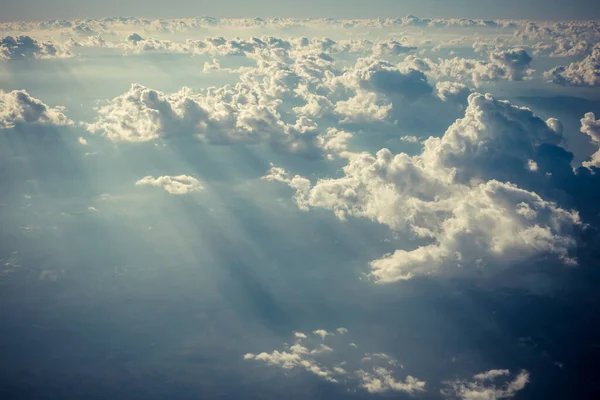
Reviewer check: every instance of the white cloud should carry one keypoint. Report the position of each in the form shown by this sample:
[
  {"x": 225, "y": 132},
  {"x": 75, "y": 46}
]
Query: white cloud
[
  {"x": 245, "y": 113},
  {"x": 372, "y": 372},
  {"x": 365, "y": 107},
  {"x": 452, "y": 91},
  {"x": 19, "y": 107},
  {"x": 450, "y": 195},
  {"x": 380, "y": 380},
  {"x": 181, "y": 184},
  {"x": 482, "y": 389},
  {"x": 491, "y": 374},
  {"x": 511, "y": 64},
  {"x": 514, "y": 63},
  {"x": 493, "y": 136},
  {"x": 579, "y": 73},
  {"x": 409, "y": 139},
  {"x": 559, "y": 39},
  {"x": 591, "y": 127},
  {"x": 25, "y": 47},
  {"x": 379, "y": 76}
]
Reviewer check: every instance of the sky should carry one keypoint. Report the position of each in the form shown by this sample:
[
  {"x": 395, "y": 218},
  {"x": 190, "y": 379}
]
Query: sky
[
  {"x": 234, "y": 207},
  {"x": 480, "y": 9}
]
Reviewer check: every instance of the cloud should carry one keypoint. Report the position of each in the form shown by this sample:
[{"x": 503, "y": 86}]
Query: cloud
[
  {"x": 376, "y": 91},
  {"x": 511, "y": 64},
  {"x": 322, "y": 333},
  {"x": 580, "y": 73},
  {"x": 24, "y": 47},
  {"x": 481, "y": 388},
  {"x": 91, "y": 41},
  {"x": 365, "y": 107},
  {"x": 391, "y": 47},
  {"x": 410, "y": 139},
  {"x": 344, "y": 365},
  {"x": 181, "y": 184},
  {"x": 380, "y": 380},
  {"x": 246, "y": 113},
  {"x": 591, "y": 127},
  {"x": 456, "y": 196},
  {"x": 380, "y": 76},
  {"x": 494, "y": 140},
  {"x": 559, "y": 39},
  {"x": 452, "y": 91},
  {"x": 19, "y": 107}
]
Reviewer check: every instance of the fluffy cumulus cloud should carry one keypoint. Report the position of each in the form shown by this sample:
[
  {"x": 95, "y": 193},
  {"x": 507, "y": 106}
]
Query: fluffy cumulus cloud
[
  {"x": 181, "y": 184},
  {"x": 25, "y": 47},
  {"x": 484, "y": 386},
  {"x": 591, "y": 127},
  {"x": 391, "y": 47},
  {"x": 379, "y": 76},
  {"x": 494, "y": 140},
  {"x": 511, "y": 64},
  {"x": 456, "y": 197},
  {"x": 373, "y": 90},
  {"x": 585, "y": 72},
  {"x": 381, "y": 380},
  {"x": 470, "y": 198},
  {"x": 342, "y": 364},
  {"x": 20, "y": 108},
  {"x": 514, "y": 63},
  {"x": 452, "y": 91},
  {"x": 232, "y": 114}
]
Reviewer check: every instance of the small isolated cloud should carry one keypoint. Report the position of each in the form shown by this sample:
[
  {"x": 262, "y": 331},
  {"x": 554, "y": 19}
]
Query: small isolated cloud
[
  {"x": 482, "y": 387},
  {"x": 181, "y": 184},
  {"x": 382, "y": 77},
  {"x": 342, "y": 364},
  {"x": 321, "y": 333},
  {"x": 409, "y": 139},
  {"x": 391, "y": 48},
  {"x": 19, "y": 107}
]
